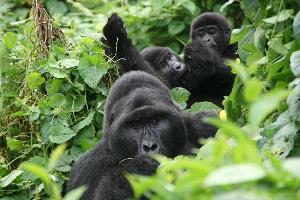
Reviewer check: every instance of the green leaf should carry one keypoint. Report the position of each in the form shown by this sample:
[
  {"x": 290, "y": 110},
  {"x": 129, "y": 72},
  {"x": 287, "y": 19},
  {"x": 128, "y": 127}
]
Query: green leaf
[
  {"x": 252, "y": 90},
  {"x": 53, "y": 86},
  {"x": 56, "y": 71},
  {"x": 91, "y": 73},
  {"x": 265, "y": 105},
  {"x": 75, "y": 103},
  {"x": 37, "y": 160},
  {"x": 38, "y": 171},
  {"x": 295, "y": 63},
  {"x": 259, "y": 38},
  {"x": 283, "y": 140},
  {"x": 86, "y": 138},
  {"x": 57, "y": 100},
  {"x": 75, "y": 194},
  {"x": 34, "y": 80},
  {"x": 8, "y": 179},
  {"x": 180, "y": 96},
  {"x": 87, "y": 121},
  {"x": 55, "y": 156},
  {"x": 277, "y": 46},
  {"x": 175, "y": 27},
  {"x": 283, "y": 15},
  {"x": 56, "y": 7},
  {"x": 296, "y": 27},
  {"x": 56, "y": 131},
  {"x": 190, "y": 6},
  {"x": 200, "y": 106},
  {"x": 69, "y": 63},
  {"x": 240, "y": 195},
  {"x": 234, "y": 174},
  {"x": 13, "y": 144},
  {"x": 292, "y": 166},
  {"x": 10, "y": 39}
]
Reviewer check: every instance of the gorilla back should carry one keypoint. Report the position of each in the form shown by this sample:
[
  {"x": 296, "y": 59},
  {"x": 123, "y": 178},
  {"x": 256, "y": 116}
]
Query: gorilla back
[{"x": 140, "y": 119}]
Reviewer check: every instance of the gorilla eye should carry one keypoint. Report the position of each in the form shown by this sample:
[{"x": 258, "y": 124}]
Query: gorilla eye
[
  {"x": 154, "y": 121},
  {"x": 200, "y": 32},
  {"x": 136, "y": 124},
  {"x": 212, "y": 31}
]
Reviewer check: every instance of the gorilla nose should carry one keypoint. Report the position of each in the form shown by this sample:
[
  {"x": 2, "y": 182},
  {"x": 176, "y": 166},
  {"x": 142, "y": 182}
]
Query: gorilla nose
[
  {"x": 179, "y": 67},
  {"x": 149, "y": 147}
]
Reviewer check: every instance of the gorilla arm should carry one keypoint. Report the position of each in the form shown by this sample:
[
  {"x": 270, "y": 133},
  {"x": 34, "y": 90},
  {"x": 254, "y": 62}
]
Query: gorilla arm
[
  {"x": 197, "y": 128},
  {"x": 118, "y": 44}
]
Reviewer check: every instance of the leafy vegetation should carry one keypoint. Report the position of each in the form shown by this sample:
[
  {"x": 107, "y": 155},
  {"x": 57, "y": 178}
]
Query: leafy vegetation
[{"x": 52, "y": 106}]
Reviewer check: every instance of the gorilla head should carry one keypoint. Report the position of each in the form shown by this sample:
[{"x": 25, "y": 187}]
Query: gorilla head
[
  {"x": 164, "y": 60},
  {"x": 212, "y": 29},
  {"x": 141, "y": 118}
]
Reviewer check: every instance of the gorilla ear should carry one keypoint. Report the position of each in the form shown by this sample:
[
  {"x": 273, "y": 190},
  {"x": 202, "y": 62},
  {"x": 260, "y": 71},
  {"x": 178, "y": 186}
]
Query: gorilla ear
[{"x": 197, "y": 128}]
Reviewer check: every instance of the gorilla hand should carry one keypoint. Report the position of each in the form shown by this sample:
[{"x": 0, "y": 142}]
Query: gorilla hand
[{"x": 114, "y": 30}]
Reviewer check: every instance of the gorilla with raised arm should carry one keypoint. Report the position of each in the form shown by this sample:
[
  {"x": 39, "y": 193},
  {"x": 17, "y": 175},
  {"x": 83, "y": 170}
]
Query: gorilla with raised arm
[
  {"x": 161, "y": 62},
  {"x": 140, "y": 119},
  {"x": 209, "y": 78}
]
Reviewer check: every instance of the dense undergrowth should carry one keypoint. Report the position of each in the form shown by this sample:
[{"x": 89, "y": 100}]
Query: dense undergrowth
[{"x": 58, "y": 99}]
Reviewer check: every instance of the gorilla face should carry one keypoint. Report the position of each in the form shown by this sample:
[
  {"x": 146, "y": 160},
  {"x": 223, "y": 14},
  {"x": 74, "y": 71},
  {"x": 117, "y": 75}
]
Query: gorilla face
[
  {"x": 212, "y": 30},
  {"x": 166, "y": 62},
  {"x": 148, "y": 130}
]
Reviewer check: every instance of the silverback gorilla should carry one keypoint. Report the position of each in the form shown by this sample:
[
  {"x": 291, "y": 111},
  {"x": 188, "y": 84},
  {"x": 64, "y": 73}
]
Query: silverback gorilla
[
  {"x": 161, "y": 62},
  {"x": 140, "y": 118},
  {"x": 209, "y": 79}
]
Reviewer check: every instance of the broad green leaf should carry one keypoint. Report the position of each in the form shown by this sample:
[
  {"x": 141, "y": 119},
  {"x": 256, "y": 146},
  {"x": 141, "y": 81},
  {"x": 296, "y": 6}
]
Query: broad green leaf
[
  {"x": 14, "y": 144},
  {"x": 87, "y": 121},
  {"x": 190, "y": 6},
  {"x": 283, "y": 140},
  {"x": 292, "y": 166},
  {"x": 91, "y": 73},
  {"x": 57, "y": 100},
  {"x": 296, "y": 27},
  {"x": 34, "y": 80},
  {"x": 295, "y": 63},
  {"x": 10, "y": 39},
  {"x": 238, "y": 34},
  {"x": 75, "y": 194},
  {"x": 75, "y": 103},
  {"x": 283, "y": 15},
  {"x": 56, "y": 131},
  {"x": 57, "y": 71},
  {"x": 200, "y": 106},
  {"x": 86, "y": 138},
  {"x": 252, "y": 89},
  {"x": 265, "y": 105},
  {"x": 69, "y": 63},
  {"x": 293, "y": 102},
  {"x": 8, "y": 179},
  {"x": 175, "y": 27},
  {"x": 53, "y": 86},
  {"x": 34, "y": 113},
  {"x": 180, "y": 96},
  {"x": 277, "y": 46},
  {"x": 234, "y": 174},
  {"x": 56, "y": 7},
  {"x": 259, "y": 38}
]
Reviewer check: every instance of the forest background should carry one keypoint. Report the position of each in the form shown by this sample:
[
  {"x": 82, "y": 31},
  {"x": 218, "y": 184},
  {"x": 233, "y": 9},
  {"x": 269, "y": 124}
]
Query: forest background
[{"x": 51, "y": 99}]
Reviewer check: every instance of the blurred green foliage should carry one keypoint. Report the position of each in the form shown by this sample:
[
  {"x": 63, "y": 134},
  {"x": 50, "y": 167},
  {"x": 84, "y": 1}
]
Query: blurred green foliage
[{"x": 55, "y": 104}]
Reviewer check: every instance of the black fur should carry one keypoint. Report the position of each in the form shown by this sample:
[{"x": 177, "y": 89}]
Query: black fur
[
  {"x": 140, "y": 118},
  {"x": 161, "y": 62},
  {"x": 208, "y": 78}
]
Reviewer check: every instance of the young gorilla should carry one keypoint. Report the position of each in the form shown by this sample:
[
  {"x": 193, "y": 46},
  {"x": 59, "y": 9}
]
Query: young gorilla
[
  {"x": 161, "y": 62},
  {"x": 209, "y": 78},
  {"x": 140, "y": 118}
]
